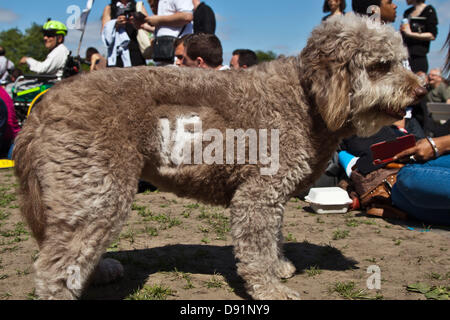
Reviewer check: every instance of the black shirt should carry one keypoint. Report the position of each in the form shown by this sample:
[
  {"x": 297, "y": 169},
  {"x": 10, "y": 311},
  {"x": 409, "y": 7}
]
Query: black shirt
[
  {"x": 427, "y": 21},
  {"x": 204, "y": 19}
]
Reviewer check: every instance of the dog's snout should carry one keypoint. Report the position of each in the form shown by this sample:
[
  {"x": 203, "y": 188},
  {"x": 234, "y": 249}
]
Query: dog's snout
[{"x": 420, "y": 92}]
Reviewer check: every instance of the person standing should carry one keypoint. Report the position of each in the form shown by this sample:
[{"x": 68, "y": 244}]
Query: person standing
[
  {"x": 120, "y": 12},
  {"x": 418, "y": 33},
  {"x": 204, "y": 18},
  {"x": 173, "y": 20}
]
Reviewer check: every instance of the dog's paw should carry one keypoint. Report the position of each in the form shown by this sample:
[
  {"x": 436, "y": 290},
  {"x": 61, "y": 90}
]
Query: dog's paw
[
  {"x": 275, "y": 291},
  {"x": 107, "y": 271},
  {"x": 284, "y": 269}
]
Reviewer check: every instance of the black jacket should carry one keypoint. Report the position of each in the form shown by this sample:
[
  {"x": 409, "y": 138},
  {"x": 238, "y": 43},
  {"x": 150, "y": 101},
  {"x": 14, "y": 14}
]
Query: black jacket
[{"x": 204, "y": 19}]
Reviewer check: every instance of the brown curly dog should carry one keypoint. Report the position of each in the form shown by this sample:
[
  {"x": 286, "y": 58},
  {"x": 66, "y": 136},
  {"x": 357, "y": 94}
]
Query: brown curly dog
[{"x": 87, "y": 143}]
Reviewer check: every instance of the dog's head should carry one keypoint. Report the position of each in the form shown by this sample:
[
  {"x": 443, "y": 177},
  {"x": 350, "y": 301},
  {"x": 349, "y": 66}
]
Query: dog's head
[{"x": 353, "y": 70}]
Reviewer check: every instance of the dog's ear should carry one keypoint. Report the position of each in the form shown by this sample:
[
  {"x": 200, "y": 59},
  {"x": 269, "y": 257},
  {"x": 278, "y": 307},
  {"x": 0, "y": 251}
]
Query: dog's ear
[{"x": 328, "y": 84}]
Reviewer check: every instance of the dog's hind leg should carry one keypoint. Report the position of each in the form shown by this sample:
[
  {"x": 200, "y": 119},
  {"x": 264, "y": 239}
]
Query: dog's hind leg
[
  {"x": 256, "y": 222},
  {"x": 87, "y": 202}
]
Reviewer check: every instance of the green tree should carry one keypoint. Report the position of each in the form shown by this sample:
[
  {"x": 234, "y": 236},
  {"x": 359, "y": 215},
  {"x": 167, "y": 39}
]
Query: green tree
[
  {"x": 265, "y": 55},
  {"x": 18, "y": 44}
]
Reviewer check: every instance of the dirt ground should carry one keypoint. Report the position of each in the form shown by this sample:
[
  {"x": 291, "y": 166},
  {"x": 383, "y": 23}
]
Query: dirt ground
[{"x": 173, "y": 248}]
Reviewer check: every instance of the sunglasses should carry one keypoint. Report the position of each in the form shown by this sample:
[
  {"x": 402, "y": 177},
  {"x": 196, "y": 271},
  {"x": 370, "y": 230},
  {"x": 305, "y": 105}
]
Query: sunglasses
[{"x": 49, "y": 34}]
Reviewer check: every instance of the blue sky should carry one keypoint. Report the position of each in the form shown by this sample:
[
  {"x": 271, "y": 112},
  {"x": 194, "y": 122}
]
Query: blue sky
[{"x": 281, "y": 26}]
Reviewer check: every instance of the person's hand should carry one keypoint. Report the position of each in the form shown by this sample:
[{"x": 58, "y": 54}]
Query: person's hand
[
  {"x": 138, "y": 19},
  {"x": 121, "y": 21},
  {"x": 23, "y": 60},
  {"x": 421, "y": 152}
]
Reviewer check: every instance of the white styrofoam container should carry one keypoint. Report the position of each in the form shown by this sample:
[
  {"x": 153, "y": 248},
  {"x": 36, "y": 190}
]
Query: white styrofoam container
[{"x": 328, "y": 200}]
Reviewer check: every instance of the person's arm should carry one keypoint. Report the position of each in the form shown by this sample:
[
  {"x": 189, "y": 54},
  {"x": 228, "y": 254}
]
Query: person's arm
[
  {"x": 106, "y": 17},
  {"x": 94, "y": 60},
  {"x": 425, "y": 36},
  {"x": 424, "y": 151},
  {"x": 178, "y": 19}
]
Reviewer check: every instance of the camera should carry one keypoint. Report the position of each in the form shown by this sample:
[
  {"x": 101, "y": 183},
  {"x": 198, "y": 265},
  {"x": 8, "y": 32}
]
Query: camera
[{"x": 127, "y": 11}]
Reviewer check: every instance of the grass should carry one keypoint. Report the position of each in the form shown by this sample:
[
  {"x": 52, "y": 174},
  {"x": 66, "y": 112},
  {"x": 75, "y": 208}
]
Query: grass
[
  {"x": 164, "y": 220},
  {"x": 218, "y": 222},
  {"x": 214, "y": 282},
  {"x": 19, "y": 230},
  {"x": 340, "y": 234},
  {"x": 6, "y": 198},
  {"x": 313, "y": 271},
  {"x": 430, "y": 292},
  {"x": 290, "y": 238},
  {"x": 4, "y": 215},
  {"x": 349, "y": 291},
  {"x": 184, "y": 276},
  {"x": 155, "y": 292}
]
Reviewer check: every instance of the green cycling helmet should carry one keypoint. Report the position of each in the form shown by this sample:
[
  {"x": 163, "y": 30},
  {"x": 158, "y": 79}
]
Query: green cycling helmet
[{"x": 55, "y": 27}]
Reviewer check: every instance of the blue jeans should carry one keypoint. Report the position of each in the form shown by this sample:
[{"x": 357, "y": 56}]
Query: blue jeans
[{"x": 423, "y": 191}]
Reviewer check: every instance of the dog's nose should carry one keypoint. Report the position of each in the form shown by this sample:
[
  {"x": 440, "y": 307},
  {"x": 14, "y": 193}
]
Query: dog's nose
[{"x": 420, "y": 92}]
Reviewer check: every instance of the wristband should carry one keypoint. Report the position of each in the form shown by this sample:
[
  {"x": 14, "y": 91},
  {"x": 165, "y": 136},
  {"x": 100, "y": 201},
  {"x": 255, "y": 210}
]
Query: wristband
[{"x": 433, "y": 145}]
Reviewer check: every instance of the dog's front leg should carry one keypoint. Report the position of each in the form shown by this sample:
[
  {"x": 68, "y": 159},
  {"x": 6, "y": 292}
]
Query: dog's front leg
[{"x": 256, "y": 222}]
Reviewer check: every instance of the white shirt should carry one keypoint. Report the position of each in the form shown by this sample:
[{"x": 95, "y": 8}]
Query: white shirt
[
  {"x": 5, "y": 65},
  {"x": 169, "y": 7},
  {"x": 53, "y": 64}
]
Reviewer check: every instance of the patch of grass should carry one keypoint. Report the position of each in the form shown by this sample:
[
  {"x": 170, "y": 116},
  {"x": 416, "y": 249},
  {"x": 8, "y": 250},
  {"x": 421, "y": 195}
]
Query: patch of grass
[
  {"x": 6, "y": 198},
  {"x": 352, "y": 223},
  {"x": 143, "y": 211},
  {"x": 340, "y": 234},
  {"x": 218, "y": 222},
  {"x": 129, "y": 235},
  {"x": 430, "y": 292},
  {"x": 155, "y": 292},
  {"x": 214, "y": 282},
  {"x": 114, "y": 246},
  {"x": 4, "y": 215},
  {"x": 19, "y": 229},
  {"x": 192, "y": 206},
  {"x": 151, "y": 231},
  {"x": 290, "y": 238},
  {"x": 313, "y": 271},
  {"x": 32, "y": 295},
  {"x": 349, "y": 291},
  {"x": 184, "y": 276}
]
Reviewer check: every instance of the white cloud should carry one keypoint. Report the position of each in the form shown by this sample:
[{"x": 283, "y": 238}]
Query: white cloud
[{"x": 8, "y": 16}]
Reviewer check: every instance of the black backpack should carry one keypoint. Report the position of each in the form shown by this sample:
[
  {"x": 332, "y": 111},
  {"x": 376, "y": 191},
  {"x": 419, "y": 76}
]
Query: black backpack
[{"x": 72, "y": 67}]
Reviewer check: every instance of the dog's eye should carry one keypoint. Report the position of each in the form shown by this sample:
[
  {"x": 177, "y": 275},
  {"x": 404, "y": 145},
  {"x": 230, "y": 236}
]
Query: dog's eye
[{"x": 378, "y": 69}]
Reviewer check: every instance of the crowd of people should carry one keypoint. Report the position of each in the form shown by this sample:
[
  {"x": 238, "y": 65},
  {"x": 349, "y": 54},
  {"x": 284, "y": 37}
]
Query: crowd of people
[{"x": 181, "y": 33}]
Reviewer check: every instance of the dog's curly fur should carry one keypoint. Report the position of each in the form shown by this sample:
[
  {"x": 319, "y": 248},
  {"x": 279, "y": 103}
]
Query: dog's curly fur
[{"x": 87, "y": 143}]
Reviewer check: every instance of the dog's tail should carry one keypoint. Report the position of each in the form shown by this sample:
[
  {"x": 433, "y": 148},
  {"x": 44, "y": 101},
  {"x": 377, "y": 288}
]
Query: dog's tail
[{"x": 30, "y": 191}]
